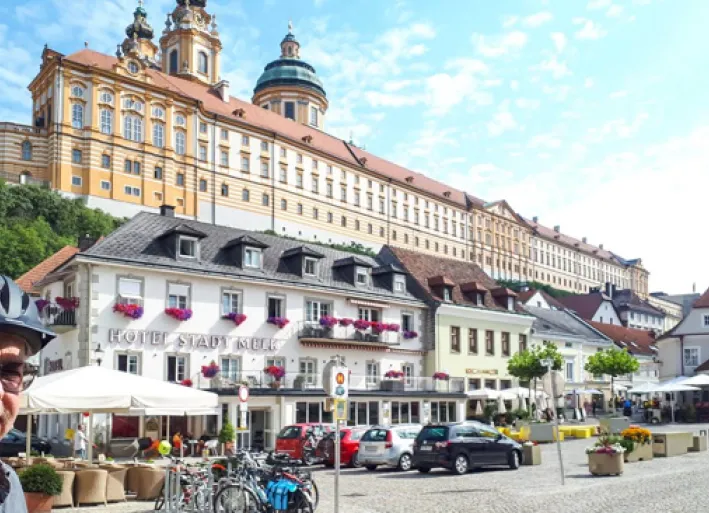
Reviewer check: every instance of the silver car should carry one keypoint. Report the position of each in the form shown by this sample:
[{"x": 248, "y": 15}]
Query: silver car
[{"x": 390, "y": 446}]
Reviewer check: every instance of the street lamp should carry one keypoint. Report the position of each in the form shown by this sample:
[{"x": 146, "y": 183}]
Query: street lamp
[{"x": 97, "y": 353}]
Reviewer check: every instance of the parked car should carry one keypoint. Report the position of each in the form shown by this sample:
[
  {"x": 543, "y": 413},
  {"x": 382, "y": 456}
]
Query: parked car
[
  {"x": 462, "y": 446},
  {"x": 390, "y": 446},
  {"x": 291, "y": 438},
  {"x": 349, "y": 447},
  {"x": 15, "y": 442}
]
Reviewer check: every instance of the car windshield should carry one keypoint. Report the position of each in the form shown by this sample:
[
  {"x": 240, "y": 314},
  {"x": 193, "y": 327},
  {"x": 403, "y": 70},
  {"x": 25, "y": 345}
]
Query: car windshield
[
  {"x": 433, "y": 434},
  {"x": 408, "y": 433},
  {"x": 375, "y": 435},
  {"x": 289, "y": 433},
  {"x": 354, "y": 435}
]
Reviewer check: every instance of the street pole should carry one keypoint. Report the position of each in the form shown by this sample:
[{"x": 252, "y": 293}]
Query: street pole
[
  {"x": 549, "y": 364},
  {"x": 337, "y": 466}
]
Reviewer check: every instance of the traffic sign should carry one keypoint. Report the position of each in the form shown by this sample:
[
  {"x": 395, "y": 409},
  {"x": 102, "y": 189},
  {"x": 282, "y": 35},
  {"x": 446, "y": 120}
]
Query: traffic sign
[
  {"x": 340, "y": 409},
  {"x": 243, "y": 394},
  {"x": 336, "y": 380}
]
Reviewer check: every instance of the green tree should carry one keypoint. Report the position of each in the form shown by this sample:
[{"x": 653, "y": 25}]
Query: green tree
[
  {"x": 529, "y": 365},
  {"x": 613, "y": 362}
]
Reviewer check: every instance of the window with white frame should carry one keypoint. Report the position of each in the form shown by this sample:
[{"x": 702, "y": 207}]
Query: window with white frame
[
  {"x": 231, "y": 302},
  {"x": 77, "y": 91},
  {"x": 224, "y": 158},
  {"x": 133, "y": 128},
  {"x": 276, "y": 306},
  {"x": 187, "y": 247},
  {"x": 362, "y": 276},
  {"x": 177, "y": 370},
  {"x": 178, "y": 295},
  {"x": 399, "y": 284},
  {"x": 368, "y": 314},
  {"x": 372, "y": 373},
  {"x": 128, "y": 362},
  {"x": 315, "y": 309},
  {"x": 307, "y": 367},
  {"x": 314, "y": 116},
  {"x": 245, "y": 164},
  {"x": 76, "y": 180},
  {"x": 252, "y": 258},
  {"x": 106, "y": 97},
  {"x": 130, "y": 291},
  {"x": 407, "y": 321},
  {"x": 180, "y": 142},
  {"x": 310, "y": 266},
  {"x": 691, "y": 356},
  {"x": 570, "y": 371},
  {"x": 158, "y": 135},
  {"x": 408, "y": 370},
  {"x": 77, "y": 116},
  {"x": 230, "y": 368},
  {"x": 106, "y": 121}
]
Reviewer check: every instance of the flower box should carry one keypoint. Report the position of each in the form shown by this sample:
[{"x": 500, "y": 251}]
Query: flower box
[
  {"x": 130, "y": 310},
  {"x": 408, "y": 335},
  {"x": 211, "y": 370},
  {"x": 531, "y": 454},
  {"x": 441, "y": 376},
  {"x": 377, "y": 327},
  {"x": 328, "y": 322},
  {"x": 345, "y": 322},
  {"x": 275, "y": 371},
  {"x": 180, "y": 314},
  {"x": 236, "y": 318},
  {"x": 641, "y": 452},
  {"x": 186, "y": 382},
  {"x": 41, "y": 304},
  {"x": 362, "y": 325},
  {"x": 394, "y": 374},
  {"x": 606, "y": 464},
  {"x": 67, "y": 303},
  {"x": 280, "y": 322},
  {"x": 392, "y": 327}
]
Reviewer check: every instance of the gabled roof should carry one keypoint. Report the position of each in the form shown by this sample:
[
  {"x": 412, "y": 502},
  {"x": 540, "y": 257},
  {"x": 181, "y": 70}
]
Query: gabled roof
[
  {"x": 702, "y": 301},
  {"x": 585, "y": 305},
  {"x": 28, "y": 280},
  {"x": 246, "y": 240},
  {"x": 353, "y": 260},
  {"x": 302, "y": 250},
  {"x": 388, "y": 268},
  {"x": 639, "y": 342},
  {"x": 183, "y": 229},
  {"x": 627, "y": 299},
  {"x": 560, "y": 323},
  {"x": 526, "y": 295}
]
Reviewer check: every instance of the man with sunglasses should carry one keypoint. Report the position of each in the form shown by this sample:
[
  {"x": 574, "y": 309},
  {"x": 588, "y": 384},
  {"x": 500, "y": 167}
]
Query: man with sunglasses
[{"x": 22, "y": 335}]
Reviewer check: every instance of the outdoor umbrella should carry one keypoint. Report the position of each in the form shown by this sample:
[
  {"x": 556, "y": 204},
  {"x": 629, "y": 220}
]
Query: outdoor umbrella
[
  {"x": 523, "y": 392},
  {"x": 478, "y": 409},
  {"x": 700, "y": 380},
  {"x": 501, "y": 408},
  {"x": 489, "y": 394},
  {"x": 671, "y": 388},
  {"x": 522, "y": 403}
]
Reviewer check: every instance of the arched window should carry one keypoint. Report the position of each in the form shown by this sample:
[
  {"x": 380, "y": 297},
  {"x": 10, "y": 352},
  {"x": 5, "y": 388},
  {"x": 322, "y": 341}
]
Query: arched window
[
  {"x": 77, "y": 116},
  {"x": 203, "y": 63},
  {"x": 26, "y": 150},
  {"x": 133, "y": 128},
  {"x": 106, "y": 121},
  {"x": 245, "y": 195},
  {"x": 180, "y": 143},
  {"x": 158, "y": 135},
  {"x": 173, "y": 62}
]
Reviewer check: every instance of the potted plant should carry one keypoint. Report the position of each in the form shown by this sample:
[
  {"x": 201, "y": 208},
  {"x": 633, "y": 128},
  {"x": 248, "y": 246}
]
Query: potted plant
[
  {"x": 67, "y": 303},
  {"x": 41, "y": 304},
  {"x": 40, "y": 484},
  {"x": 210, "y": 371},
  {"x": 409, "y": 334},
  {"x": 130, "y": 310},
  {"x": 186, "y": 382},
  {"x": 392, "y": 327},
  {"x": 277, "y": 373},
  {"x": 605, "y": 458},
  {"x": 281, "y": 322},
  {"x": 179, "y": 314},
  {"x": 531, "y": 453},
  {"x": 328, "y": 322},
  {"x": 236, "y": 318},
  {"x": 227, "y": 436},
  {"x": 637, "y": 442},
  {"x": 441, "y": 376},
  {"x": 362, "y": 325},
  {"x": 345, "y": 322}
]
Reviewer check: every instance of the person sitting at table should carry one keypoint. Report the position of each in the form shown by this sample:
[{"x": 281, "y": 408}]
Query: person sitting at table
[{"x": 177, "y": 442}]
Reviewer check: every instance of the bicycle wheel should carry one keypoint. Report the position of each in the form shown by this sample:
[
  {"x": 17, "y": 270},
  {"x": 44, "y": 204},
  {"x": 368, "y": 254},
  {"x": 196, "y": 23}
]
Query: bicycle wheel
[
  {"x": 300, "y": 503},
  {"x": 160, "y": 499},
  {"x": 236, "y": 499},
  {"x": 314, "y": 493}
]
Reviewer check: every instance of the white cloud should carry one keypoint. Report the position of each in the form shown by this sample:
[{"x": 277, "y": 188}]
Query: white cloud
[
  {"x": 547, "y": 141},
  {"x": 588, "y": 82},
  {"x": 598, "y": 4},
  {"x": 378, "y": 99},
  {"x": 514, "y": 85},
  {"x": 527, "y": 103},
  {"x": 538, "y": 19},
  {"x": 510, "y": 21},
  {"x": 558, "y": 92},
  {"x": 502, "y": 121},
  {"x": 617, "y": 128},
  {"x": 589, "y": 30},
  {"x": 392, "y": 86},
  {"x": 618, "y": 94},
  {"x": 559, "y": 41},
  {"x": 496, "y": 46},
  {"x": 461, "y": 82},
  {"x": 614, "y": 11},
  {"x": 558, "y": 69}
]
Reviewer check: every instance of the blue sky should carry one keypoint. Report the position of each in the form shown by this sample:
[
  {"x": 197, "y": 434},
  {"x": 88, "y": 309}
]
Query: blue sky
[{"x": 591, "y": 114}]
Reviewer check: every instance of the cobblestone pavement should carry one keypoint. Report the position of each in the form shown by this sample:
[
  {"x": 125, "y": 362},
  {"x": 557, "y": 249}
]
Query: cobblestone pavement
[{"x": 663, "y": 485}]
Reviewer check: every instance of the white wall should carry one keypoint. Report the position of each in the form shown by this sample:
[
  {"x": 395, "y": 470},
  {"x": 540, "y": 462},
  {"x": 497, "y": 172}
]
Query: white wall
[
  {"x": 606, "y": 314},
  {"x": 538, "y": 301}
]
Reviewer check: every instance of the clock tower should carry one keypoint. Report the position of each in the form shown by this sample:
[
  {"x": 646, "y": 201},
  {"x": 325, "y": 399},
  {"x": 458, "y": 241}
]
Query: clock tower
[{"x": 190, "y": 43}]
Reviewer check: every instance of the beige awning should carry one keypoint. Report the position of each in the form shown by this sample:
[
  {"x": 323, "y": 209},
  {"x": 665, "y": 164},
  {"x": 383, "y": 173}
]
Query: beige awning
[{"x": 370, "y": 304}]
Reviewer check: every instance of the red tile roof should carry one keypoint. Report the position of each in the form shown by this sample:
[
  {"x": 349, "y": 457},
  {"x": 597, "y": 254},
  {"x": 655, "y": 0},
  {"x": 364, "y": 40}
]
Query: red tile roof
[
  {"x": 590, "y": 249},
  {"x": 38, "y": 272},
  {"x": 635, "y": 341},
  {"x": 702, "y": 301},
  {"x": 585, "y": 305}
]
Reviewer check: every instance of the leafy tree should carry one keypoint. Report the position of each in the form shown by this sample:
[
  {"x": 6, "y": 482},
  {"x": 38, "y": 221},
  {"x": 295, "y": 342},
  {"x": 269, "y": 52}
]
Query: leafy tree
[
  {"x": 613, "y": 361},
  {"x": 36, "y": 222},
  {"x": 528, "y": 365},
  {"x": 352, "y": 247},
  {"x": 517, "y": 287}
]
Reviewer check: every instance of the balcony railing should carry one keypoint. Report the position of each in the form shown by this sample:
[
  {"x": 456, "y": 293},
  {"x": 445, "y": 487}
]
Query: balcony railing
[
  {"x": 293, "y": 381},
  {"x": 59, "y": 320},
  {"x": 310, "y": 330}
]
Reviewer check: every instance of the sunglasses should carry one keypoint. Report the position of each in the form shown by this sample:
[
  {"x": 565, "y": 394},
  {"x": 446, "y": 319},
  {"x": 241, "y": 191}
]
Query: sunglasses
[{"x": 16, "y": 377}]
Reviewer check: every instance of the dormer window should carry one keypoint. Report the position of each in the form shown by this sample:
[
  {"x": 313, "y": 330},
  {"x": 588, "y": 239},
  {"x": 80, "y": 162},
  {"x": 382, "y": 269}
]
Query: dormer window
[
  {"x": 511, "y": 304},
  {"x": 447, "y": 294},
  {"x": 252, "y": 258},
  {"x": 310, "y": 266},
  {"x": 187, "y": 247},
  {"x": 362, "y": 276},
  {"x": 399, "y": 284}
]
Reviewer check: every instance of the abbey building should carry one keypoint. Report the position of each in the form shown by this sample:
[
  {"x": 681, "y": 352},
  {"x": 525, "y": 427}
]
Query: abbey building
[{"x": 155, "y": 125}]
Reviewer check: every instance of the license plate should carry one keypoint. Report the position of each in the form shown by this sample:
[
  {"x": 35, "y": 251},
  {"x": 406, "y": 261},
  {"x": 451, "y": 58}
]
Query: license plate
[
  {"x": 426, "y": 448},
  {"x": 371, "y": 449}
]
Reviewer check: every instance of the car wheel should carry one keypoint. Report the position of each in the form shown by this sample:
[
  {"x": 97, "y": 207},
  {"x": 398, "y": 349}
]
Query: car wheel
[
  {"x": 405, "y": 462},
  {"x": 371, "y": 467},
  {"x": 424, "y": 470},
  {"x": 354, "y": 461},
  {"x": 460, "y": 464},
  {"x": 513, "y": 460}
]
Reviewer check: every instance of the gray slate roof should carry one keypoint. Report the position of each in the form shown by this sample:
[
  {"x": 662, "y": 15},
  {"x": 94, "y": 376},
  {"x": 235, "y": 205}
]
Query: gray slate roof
[
  {"x": 563, "y": 324},
  {"x": 627, "y": 299},
  {"x": 138, "y": 242}
]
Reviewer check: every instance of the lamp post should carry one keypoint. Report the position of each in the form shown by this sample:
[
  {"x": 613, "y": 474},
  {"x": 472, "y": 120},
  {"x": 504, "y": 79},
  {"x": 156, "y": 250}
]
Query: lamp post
[
  {"x": 549, "y": 363},
  {"x": 98, "y": 352}
]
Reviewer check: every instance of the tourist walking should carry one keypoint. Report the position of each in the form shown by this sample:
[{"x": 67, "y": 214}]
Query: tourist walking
[{"x": 80, "y": 441}]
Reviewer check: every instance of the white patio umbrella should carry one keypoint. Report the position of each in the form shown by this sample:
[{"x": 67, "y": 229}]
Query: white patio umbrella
[
  {"x": 523, "y": 392},
  {"x": 501, "y": 408},
  {"x": 645, "y": 388},
  {"x": 671, "y": 388},
  {"x": 489, "y": 394},
  {"x": 100, "y": 390},
  {"x": 478, "y": 408},
  {"x": 700, "y": 380}
]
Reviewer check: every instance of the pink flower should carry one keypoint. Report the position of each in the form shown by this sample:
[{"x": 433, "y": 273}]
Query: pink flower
[
  {"x": 237, "y": 318},
  {"x": 180, "y": 314}
]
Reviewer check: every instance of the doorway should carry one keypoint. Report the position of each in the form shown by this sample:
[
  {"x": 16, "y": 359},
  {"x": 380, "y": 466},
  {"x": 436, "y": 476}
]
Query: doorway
[{"x": 261, "y": 431}]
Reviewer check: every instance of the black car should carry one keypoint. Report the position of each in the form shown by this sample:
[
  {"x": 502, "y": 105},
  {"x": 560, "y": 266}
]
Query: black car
[
  {"x": 15, "y": 442},
  {"x": 462, "y": 446}
]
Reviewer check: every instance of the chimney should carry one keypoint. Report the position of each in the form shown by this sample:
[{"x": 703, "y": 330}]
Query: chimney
[
  {"x": 609, "y": 289},
  {"x": 535, "y": 219},
  {"x": 600, "y": 246},
  {"x": 86, "y": 242},
  {"x": 584, "y": 240},
  {"x": 557, "y": 228},
  {"x": 167, "y": 211},
  {"x": 222, "y": 89}
]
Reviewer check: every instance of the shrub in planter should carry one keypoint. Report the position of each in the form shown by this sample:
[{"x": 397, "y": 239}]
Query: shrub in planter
[
  {"x": 40, "y": 484},
  {"x": 180, "y": 314},
  {"x": 227, "y": 435},
  {"x": 281, "y": 322},
  {"x": 130, "y": 310}
]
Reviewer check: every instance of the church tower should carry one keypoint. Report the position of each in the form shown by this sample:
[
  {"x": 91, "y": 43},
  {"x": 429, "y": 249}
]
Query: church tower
[
  {"x": 290, "y": 87},
  {"x": 190, "y": 43},
  {"x": 139, "y": 38}
]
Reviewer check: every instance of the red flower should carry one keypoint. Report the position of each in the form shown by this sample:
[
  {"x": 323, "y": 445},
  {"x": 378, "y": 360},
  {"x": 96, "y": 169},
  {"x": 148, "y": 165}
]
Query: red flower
[{"x": 186, "y": 382}]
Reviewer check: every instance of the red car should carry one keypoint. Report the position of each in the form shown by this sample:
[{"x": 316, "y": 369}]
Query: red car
[
  {"x": 291, "y": 438},
  {"x": 349, "y": 447}
]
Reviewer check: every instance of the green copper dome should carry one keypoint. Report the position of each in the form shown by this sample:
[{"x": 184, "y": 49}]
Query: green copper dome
[{"x": 289, "y": 72}]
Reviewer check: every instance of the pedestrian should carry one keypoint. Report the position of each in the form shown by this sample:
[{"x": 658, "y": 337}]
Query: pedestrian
[
  {"x": 80, "y": 441},
  {"x": 22, "y": 335},
  {"x": 594, "y": 405}
]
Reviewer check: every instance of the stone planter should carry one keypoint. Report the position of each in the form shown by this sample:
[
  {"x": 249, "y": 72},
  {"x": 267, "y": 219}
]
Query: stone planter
[
  {"x": 275, "y": 385},
  {"x": 541, "y": 432},
  {"x": 392, "y": 385},
  {"x": 38, "y": 502},
  {"x": 640, "y": 453},
  {"x": 600, "y": 464},
  {"x": 699, "y": 443},
  {"x": 614, "y": 425},
  {"x": 531, "y": 455}
]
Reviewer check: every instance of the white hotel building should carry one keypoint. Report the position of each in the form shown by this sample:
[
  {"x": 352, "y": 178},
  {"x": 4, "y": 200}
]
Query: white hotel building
[{"x": 160, "y": 261}]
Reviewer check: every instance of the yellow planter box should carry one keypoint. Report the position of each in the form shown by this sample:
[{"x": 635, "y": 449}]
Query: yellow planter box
[{"x": 600, "y": 464}]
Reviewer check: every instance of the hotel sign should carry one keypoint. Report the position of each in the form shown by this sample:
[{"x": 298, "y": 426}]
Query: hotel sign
[
  {"x": 190, "y": 341},
  {"x": 491, "y": 372}
]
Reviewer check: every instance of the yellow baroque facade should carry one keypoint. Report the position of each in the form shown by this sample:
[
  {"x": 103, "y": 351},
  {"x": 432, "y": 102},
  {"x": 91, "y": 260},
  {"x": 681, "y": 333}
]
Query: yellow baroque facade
[{"x": 157, "y": 126}]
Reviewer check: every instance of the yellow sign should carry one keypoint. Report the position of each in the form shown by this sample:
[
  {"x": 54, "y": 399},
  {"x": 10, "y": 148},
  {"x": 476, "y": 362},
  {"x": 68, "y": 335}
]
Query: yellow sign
[
  {"x": 340, "y": 409},
  {"x": 340, "y": 378}
]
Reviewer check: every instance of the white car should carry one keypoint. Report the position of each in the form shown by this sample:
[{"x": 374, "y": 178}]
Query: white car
[{"x": 390, "y": 446}]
